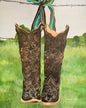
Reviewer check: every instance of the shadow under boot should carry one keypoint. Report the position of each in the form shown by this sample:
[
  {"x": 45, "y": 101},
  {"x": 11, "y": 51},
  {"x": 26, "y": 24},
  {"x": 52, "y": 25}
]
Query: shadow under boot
[
  {"x": 29, "y": 47},
  {"x": 53, "y": 56}
]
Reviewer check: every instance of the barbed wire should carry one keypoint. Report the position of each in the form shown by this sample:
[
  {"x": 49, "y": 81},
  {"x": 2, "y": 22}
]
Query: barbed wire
[
  {"x": 60, "y": 5},
  {"x": 1, "y": 38},
  {"x": 27, "y": 3},
  {"x": 69, "y": 5},
  {"x": 17, "y": 2}
]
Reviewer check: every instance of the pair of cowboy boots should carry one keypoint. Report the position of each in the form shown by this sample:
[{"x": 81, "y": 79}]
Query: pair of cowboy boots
[{"x": 30, "y": 51}]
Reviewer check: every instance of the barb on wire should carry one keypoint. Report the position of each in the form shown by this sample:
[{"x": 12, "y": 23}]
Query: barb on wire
[{"x": 64, "y": 5}]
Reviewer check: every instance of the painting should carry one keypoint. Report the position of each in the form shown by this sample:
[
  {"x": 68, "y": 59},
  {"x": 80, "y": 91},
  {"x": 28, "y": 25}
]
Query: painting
[{"x": 42, "y": 53}]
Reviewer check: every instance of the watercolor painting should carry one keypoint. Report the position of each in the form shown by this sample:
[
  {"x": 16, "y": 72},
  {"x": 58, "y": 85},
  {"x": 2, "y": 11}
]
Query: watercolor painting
[{"x": 42, "y": 63}]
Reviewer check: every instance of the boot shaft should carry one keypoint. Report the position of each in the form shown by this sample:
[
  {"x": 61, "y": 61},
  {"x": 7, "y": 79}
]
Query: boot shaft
[
  {"x": 29, "y": 47},
  {"x": 54, "y": 53},
  {"x": 53, "y": 56}
]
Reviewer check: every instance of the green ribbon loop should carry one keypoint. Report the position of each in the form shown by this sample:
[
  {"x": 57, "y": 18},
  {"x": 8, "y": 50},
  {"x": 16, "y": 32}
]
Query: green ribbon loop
[
  {"x": 40, "y": 15},
  {"x": 47, "y": 3}
]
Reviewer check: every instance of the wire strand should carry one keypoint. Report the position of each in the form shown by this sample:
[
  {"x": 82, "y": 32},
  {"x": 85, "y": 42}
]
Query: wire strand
[
  {"x": 17, "y": 2},
  {"x": 6, "y": 38},
  {"x": 64, "y": 5}
]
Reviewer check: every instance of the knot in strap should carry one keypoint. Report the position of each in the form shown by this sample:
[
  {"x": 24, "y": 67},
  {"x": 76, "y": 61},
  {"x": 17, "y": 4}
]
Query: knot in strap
[{"x": 40, "y": 15}]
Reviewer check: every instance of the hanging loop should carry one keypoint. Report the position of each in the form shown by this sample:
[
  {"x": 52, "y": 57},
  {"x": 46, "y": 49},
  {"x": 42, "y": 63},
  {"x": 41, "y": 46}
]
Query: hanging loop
[{"x": 40, "y": 15}]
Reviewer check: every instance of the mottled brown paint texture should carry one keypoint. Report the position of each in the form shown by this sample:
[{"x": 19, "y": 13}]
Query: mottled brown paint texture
[
  {"x": 30, "y": 50},
  {"x": 29, "y": 47},
  {"x": 53, "y": 56}
]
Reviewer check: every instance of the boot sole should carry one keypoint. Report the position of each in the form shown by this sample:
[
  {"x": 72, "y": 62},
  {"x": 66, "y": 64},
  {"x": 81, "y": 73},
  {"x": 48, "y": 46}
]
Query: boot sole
[
  {"x": 30, "y": 101},
  {"x": 49, "y": 103}
]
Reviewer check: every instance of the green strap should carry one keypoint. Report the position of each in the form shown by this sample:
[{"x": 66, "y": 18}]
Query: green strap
[{"x": 40, "y": 16}]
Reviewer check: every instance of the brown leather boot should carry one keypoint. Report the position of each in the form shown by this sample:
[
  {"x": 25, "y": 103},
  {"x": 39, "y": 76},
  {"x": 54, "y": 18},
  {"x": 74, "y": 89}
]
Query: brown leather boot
[
  {"x": 53, "y": 56},
  {"x": 29, "y": 47}
]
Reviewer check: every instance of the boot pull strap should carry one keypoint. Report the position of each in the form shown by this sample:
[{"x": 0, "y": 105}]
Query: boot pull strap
[{"x": 40, "y": 16}]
